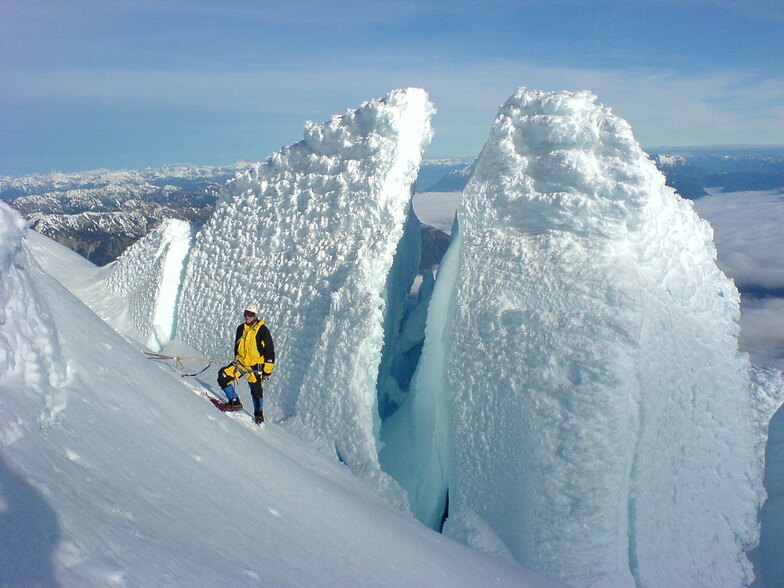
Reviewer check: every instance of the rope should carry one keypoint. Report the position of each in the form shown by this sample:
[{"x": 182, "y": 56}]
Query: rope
[
  {"x": 179, "y": 365},
  {"x": 241, "y": 369},
  {"x": 201, "y": 371}
]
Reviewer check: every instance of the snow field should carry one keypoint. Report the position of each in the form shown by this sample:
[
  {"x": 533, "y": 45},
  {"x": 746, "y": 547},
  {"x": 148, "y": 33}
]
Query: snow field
[
  {"x": 311, "y": 235},
  {"x": 597, "y": 408}
]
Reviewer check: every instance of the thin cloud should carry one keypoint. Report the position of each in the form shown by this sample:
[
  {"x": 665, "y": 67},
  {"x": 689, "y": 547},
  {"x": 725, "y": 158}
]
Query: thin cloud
[
  {"x": 663, "y": 106},
  {"x": 749, "y": 231},
  {"x": 762, "y": 331}
]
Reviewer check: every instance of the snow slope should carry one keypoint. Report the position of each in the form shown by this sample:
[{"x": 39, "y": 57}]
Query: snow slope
[
  {"x": 311, "y": 235},
  {"x": 113, "y": 472},
  {"x": 598, "y": 421}
]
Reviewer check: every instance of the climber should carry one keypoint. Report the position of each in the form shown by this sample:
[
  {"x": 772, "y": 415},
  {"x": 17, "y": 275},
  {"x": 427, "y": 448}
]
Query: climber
[{"x": 254, "y": 357}]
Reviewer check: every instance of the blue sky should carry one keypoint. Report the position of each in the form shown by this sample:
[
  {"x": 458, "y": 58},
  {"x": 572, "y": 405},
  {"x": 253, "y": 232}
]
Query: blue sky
[{"x": 125, "y": 84}]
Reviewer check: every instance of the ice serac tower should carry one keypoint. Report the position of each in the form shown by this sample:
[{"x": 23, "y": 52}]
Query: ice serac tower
[
  {"x": 599, "y": 420},
  {"x": 311, "y": 235}
]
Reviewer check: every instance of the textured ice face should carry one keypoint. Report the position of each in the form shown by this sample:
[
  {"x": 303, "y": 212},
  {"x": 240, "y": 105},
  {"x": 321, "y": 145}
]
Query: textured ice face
[
  {"x": 311, "y": 234},
  {"x": 597, "y": 408},
  {"x": 768, "y": 393},
  {"x": 148, "y": 276}
]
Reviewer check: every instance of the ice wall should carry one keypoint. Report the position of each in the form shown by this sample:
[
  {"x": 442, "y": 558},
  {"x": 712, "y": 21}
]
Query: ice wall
[
  {"x": 31, "y": 371},
  {"x": 772, "y": 514},
  {"x": 148, "y": 276},
  {"x": 311, "y": 235},
  {"x": 768, "y": 392},
  {"x": 598, "y": 415}
]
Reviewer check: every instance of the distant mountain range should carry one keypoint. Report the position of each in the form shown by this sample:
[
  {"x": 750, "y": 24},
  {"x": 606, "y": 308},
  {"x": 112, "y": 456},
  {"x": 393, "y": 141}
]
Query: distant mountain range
[
  {"x": 433, "y": 171},
  {"x": 99, "y": 213},
  {"x": 690, "y": 170}
]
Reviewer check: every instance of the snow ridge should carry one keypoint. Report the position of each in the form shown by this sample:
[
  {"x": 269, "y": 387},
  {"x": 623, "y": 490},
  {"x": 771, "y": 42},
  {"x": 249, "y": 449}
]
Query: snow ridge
[
  {"x": 148, "y": 276},
  {"x": 591, "y": 378},
  {"x": 311, "y": 235},
  {"x": 31, "y": 371}
]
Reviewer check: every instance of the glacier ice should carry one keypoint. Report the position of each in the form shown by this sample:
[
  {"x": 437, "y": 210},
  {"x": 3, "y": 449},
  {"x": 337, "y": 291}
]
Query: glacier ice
[
  {"x": 771, "y": 545},
  {"x": 586, "y": 398},
  {"x": 768, "y": 393},
  {"x": 579, "y": 404},
  {"x": 415, "y": 439},
  {"x": 311, "y": 235},
  {"x": 148, "y": 276}
]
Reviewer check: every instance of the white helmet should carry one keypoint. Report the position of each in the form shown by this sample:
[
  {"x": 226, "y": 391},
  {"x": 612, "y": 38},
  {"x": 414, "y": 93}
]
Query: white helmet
[{"x": 252, "y": 307}]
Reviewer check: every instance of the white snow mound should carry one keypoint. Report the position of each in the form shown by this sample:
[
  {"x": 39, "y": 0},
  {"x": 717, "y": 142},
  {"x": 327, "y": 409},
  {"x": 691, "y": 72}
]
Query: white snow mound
[
  {"x": 599, "y": 415},
  {"x": 310, "y": 235},
  {"x": 31, "y": 372}
]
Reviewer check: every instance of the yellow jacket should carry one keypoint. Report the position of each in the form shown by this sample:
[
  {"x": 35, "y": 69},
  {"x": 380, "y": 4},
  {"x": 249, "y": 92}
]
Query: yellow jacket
[{"x": 253, "y": 348}]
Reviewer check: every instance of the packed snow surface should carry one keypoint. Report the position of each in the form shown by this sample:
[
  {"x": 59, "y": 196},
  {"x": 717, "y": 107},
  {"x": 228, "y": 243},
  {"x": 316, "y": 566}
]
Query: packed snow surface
[
  {"x": 311, "y": 235},
  {"x": 148, "y": 276},
  {"x": 598, "y": 416},
  {"x": 30, "y": 363},
  {"x": 114, "y": 472}
]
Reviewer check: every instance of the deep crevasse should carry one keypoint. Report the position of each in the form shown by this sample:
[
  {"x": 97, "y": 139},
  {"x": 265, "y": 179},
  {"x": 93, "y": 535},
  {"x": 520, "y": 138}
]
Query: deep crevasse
[{"x": 599, "y": 423}]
